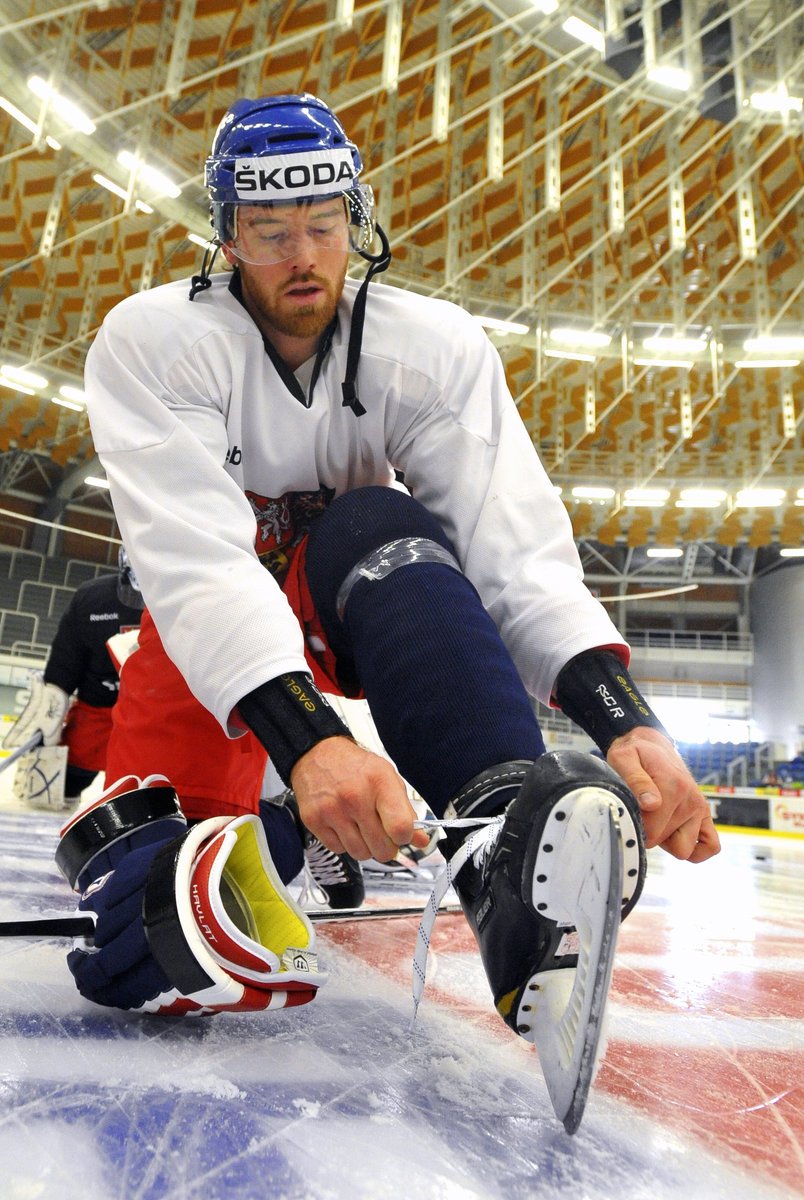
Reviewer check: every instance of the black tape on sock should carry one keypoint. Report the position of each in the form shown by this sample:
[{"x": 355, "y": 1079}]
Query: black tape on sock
[{"x": 596, "y": 692}]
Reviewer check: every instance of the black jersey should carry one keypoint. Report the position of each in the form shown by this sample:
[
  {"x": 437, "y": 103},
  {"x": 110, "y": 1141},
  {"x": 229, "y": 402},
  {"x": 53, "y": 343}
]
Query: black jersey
[{"x": 79, "y": 661}]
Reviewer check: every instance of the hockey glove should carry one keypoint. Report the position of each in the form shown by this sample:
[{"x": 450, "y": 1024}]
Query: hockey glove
[
  {"x": 44, "y": 714},
  {"x": 199, "y": 923}
]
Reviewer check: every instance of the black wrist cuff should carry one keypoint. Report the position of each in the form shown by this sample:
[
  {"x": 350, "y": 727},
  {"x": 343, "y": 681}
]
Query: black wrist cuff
[
  {"x": 290, "y": 716},
  {"x": 595, "y": 691}
]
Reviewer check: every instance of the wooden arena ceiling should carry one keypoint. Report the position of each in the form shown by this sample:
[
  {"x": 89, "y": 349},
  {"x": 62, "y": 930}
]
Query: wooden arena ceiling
[{"x": 517, "y": 171}]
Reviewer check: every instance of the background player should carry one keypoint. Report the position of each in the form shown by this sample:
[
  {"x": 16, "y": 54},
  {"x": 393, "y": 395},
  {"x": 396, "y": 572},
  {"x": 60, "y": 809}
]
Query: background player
[{"x": 78, "y": 669}]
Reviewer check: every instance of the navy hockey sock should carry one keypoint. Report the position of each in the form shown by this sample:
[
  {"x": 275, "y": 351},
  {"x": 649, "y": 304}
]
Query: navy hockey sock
[
  {"x": 445, "y": 696},
  {"x": 284, "y": 839}
]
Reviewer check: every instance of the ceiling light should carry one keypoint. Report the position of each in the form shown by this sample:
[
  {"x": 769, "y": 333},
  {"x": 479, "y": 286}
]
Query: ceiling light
[
  {"x": 700, "y": 498},
  {"x": 96, "y": 481},
  {"x": 670, "y": 77},
  {"x": 70, "y": 113},
  {"x": 584, "y": 32},
  {"x": 592, "y": 493},
  {"x": 767, "y": 362},
  {"x": 18, "y": 387},
  {"x": 792, "y": 552},
  {"x": 546, "y": 6},
  {"x": 67, "y": 403},
  {"x": 115, "y": 188},
  {"x": 149, "y": 175},
  {"x": 18, "y": 115},
  {"x": 645, "y": 497},
  {"x": 26, "y": 378},
  {"x": 686, "y": 363},
  {"x": 503, "y": 326},
  {"x": 72, "y": 393},
  {"x": 776, "y": 101},
  {"x": 565, "y": 335},
  {"x": 664, "y": 552},
  {"x": 760, "y": 497},
  {"x": 675, "y": 345},
  {"x": 767, "y": 343},
  {"x": 569, "y": 354}
]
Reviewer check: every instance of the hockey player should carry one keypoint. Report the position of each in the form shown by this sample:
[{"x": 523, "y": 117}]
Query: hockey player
[
  {"x": 252, "y": 427},
  {"x": 78, "y": 668}
]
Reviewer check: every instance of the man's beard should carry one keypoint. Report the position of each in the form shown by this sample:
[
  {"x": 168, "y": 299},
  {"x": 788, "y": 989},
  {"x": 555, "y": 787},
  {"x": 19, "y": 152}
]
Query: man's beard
[{"x": 291, "y": 320}]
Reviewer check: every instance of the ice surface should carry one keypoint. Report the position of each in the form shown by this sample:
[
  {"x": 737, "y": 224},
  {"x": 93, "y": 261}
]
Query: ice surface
[{"x": 699, "y": 1097}]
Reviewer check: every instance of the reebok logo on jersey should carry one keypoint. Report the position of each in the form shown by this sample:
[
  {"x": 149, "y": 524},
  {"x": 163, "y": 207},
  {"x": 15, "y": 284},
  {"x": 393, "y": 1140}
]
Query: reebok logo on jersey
[
  {"x": 234, "y": 456},
  {"x": 315, "y": 173},
  {"x": 113, "y": 616}
]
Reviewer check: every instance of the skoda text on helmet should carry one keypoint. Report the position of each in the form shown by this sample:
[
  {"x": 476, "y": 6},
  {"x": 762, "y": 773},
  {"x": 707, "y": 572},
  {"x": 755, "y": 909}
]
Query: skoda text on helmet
[{"x": 280, "y": 150}]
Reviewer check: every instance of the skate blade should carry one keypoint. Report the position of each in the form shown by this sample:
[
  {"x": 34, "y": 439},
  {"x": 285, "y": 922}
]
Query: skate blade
[{"x": 562, "y": 1011}]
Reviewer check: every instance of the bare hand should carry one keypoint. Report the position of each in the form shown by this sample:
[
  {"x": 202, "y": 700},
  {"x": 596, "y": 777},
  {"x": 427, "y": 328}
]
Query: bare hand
[
  {"x": 675, "y": 814},
  {"x": 354, "y": 801}
]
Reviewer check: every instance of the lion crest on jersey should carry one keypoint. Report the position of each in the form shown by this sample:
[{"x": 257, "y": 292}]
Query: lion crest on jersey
[{"x": 282, "y": 522}]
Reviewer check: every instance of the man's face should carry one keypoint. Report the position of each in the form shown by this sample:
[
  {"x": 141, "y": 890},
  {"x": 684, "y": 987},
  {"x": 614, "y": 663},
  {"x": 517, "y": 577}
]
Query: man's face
[{"x": 292, "y": 261}]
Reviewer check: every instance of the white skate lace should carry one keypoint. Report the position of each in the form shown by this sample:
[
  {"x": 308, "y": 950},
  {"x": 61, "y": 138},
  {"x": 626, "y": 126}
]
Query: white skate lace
[
  {"x": 478, "y": 846},
  {"x": 326, "y": 867},
  {"x": 322, "y": 868}
]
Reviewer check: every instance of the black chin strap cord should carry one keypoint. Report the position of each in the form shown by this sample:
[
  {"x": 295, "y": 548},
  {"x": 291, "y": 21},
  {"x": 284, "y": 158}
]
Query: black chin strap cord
[
  {"x": 378, "y": 262},
  {"x": 201, "y": 282}
]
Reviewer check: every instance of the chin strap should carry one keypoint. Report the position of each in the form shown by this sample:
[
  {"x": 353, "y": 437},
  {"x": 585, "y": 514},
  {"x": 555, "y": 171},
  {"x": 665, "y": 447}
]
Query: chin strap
[
  {"x": 378, "y": 262},
  {"x": 201, "y": 282}
]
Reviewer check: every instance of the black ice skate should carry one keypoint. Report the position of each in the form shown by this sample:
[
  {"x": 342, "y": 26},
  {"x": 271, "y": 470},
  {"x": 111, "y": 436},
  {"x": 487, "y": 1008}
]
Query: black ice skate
[
  {"x": 544, "y": 890},
  {"x": 338, "y": 876}
]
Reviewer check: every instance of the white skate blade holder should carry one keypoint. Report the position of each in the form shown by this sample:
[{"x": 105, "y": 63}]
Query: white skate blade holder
[{"x": 578, "y": 881}]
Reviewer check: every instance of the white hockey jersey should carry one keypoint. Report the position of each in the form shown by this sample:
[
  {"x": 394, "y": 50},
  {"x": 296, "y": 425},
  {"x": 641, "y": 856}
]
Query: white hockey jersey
[{"x": 207, "y": 449}]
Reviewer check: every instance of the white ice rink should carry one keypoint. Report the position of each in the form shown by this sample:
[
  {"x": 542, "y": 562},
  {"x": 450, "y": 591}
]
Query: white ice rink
[{"x": 701, "y": 1093}]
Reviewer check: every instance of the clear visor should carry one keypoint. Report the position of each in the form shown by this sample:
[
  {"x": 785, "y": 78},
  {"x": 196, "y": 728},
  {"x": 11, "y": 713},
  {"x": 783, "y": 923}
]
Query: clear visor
[{"x": 273, "y": 233}]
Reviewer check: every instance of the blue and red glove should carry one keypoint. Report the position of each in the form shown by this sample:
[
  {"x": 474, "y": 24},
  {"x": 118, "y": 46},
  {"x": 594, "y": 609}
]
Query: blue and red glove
[{"x": 187, "y": 921}]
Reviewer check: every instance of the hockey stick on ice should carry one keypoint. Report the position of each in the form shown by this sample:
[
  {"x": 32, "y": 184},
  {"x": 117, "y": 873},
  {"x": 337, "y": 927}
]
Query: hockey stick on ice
[
  {"x": 31, "y": 744},
  {"x": 85, "y": 926}
]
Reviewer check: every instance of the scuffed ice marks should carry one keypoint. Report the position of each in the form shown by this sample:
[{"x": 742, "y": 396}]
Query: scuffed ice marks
[{"x": 339, "y": 1101}]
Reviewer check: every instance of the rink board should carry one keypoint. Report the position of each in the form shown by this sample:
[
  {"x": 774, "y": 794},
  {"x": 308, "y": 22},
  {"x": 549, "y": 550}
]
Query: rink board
[{"x": 700, "y": 1094}]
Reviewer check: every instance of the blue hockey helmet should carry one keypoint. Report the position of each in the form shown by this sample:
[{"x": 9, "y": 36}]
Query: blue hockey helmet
[{"x": 282, "y": 149}]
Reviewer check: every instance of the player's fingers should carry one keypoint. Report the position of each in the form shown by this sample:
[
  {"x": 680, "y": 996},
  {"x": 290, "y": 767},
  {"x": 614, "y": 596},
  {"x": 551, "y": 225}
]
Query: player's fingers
[
  {"x": 708, "y": 842},
  {"x": 396, "y": 815},
  {"x": 658, "y": 827},
  {"x": 686, "y": 841},
  {"x": 682, "y": 843},
  {"x": 368, "y": 840}
]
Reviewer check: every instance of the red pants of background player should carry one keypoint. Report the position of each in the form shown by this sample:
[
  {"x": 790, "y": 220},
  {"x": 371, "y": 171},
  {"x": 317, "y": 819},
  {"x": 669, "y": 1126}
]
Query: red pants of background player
[
  {"x": 85, "y": 734},
  {"x": 159, "y": 728}
]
